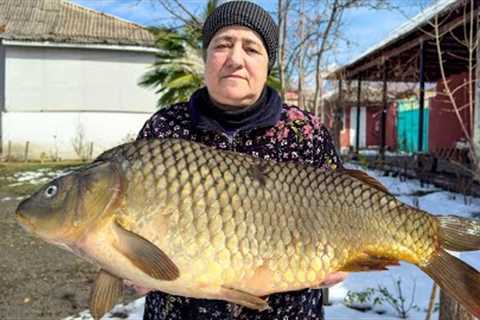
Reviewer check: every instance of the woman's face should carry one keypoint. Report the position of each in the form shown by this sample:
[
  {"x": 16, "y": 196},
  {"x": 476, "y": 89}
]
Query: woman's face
[{"x": 236, "y": 66}]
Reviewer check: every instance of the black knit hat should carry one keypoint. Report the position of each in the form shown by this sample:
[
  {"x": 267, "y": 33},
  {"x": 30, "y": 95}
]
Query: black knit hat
[{"x": 247, "y": 14}]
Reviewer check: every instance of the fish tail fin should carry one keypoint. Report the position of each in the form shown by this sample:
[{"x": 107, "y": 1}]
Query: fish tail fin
[
  {"x": 459, "y": 234},
  {"x": 458, "y": 279}
]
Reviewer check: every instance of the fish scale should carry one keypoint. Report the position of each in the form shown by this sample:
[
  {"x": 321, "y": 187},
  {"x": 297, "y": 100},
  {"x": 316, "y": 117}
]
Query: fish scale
[
  {"x": 221, "y": 218},
  {"x": 187, "y": 219}
]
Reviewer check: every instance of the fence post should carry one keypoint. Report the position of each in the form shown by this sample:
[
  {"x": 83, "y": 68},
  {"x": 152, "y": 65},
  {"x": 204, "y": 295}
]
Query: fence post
[
  {"x": 90, "y": 152},
  {"x": 325, "y": 297},
  {"x": 431, "y": 303},
  {"x": 9, "y": 152},
  {"x": 26, "y": 151},
  {"x": 451, "y": 309}
]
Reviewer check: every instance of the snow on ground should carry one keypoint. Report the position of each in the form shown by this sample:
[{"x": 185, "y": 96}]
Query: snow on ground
[
  {"x": 37, "y": 177},
  {"x": 131, "y": 311},
  {"x": 413, "y": 281},
  {"x": 33, "y": 177}
]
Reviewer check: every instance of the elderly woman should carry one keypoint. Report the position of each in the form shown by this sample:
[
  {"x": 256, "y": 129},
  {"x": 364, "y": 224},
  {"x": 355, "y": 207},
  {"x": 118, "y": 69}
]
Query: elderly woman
[{"x": 237, "y": 111}]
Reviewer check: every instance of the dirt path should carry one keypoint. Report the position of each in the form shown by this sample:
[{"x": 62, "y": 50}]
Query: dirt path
[{"x": 38, "y": 280}]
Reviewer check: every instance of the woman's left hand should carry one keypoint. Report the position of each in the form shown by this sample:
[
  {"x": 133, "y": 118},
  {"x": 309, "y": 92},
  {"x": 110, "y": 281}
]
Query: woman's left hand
[
  {"x": 138, "y": 289},
  {"x": 332, "y": 279}
]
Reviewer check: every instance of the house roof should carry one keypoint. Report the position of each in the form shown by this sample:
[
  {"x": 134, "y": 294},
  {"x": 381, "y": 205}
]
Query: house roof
[
  {"x": 65, "y": 22},
  {"x": 410, "y": 26},
  {"x": 371, "y": 94},
  {"x": 401, "y": 50}
]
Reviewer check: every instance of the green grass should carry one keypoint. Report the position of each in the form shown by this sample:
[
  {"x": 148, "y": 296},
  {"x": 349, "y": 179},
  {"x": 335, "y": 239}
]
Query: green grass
[{"x": 9, "y": 184}]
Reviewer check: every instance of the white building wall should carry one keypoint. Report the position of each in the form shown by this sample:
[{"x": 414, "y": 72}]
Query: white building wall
[
  {"x": 71, "y": 79},
  {"x": 363, "y": 127},
  {"x": 51, "y": 134},
  {"x": 53, "y": 95}
]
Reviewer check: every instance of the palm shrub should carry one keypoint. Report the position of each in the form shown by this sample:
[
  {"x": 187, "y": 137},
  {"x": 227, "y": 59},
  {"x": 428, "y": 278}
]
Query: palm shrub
[{"x": 178, "y": 69}]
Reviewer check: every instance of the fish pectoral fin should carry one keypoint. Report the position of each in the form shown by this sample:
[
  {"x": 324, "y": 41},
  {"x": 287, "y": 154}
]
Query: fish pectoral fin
[
  {"x": 243, "y": 298},
  {"x": 369, "y": 263},
  {"x": 106, "y": 292},
  {"x": 145, "y": 255}
]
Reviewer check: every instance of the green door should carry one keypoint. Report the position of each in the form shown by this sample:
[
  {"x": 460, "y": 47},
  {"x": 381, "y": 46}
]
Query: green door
[{"x": 408, "y": 125}]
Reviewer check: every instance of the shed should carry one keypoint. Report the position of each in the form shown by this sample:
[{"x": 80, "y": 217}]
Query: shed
[
  {"x": 69, "y": 79},
  {"x": 412, "y": 54}
]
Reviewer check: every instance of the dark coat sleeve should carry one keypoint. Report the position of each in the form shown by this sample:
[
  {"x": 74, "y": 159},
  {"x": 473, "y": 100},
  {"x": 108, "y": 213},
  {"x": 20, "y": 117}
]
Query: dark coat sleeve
[
  {"x": 324, "y": 152},
  {"x": 147, "y": 130}
]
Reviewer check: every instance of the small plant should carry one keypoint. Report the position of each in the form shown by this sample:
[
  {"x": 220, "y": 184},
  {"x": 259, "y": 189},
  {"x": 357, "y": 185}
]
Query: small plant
[
  {"x": 362, "y": 300},
  {"x": 416, "y": 202},
  {"x": 79, "y": 142},
  {"x": 367, "y": 299},
  {"x": 451, "y": 196},
  {"x": 129, "y": 137},
  {"x": 43, "y": 157},
  {"x": 54, "y": 154},
  {"x": 397, "y": 300}
]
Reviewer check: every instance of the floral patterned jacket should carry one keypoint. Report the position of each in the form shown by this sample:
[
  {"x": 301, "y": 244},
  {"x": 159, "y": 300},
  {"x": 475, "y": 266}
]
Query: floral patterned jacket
[{"x": 297, "y": 136}]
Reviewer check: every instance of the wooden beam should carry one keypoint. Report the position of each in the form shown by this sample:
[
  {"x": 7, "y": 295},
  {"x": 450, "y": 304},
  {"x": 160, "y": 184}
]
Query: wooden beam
[
  {"x": 387, "y": 55},
  {"x": 2, "y": 93},
  {"x": 384, "y": 113},
  {"x": 340, "y": 91},
  {"x": 422, "y": 97},
  {"x": 357, "y": 136},
  {"x": 476, "y": 125},
  {"x": 339, "y": 117}
]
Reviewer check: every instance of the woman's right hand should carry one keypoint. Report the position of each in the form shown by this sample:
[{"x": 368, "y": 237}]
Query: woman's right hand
[{"x": 138, "y": 289}]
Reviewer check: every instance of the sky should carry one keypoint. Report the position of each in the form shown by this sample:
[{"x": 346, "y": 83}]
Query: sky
[
  {"x": 415, "y": 284},
  {"x": 364, "y": 27}
]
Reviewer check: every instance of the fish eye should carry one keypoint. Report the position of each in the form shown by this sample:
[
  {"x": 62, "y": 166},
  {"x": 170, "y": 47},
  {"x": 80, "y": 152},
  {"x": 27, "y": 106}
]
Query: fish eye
[{"x": 51, "y": 191}]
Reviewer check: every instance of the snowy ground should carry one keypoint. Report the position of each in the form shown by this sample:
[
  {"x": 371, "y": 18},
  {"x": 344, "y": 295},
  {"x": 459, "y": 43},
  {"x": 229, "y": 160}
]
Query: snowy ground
[
  {"x": 435, "y": 201},
  {"x": 31, "y": 179},
  {"x": 38, "y": 176}
]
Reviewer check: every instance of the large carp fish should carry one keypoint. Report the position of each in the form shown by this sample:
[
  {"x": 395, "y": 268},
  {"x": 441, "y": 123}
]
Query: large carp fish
[{"x": 190, "y": 220}]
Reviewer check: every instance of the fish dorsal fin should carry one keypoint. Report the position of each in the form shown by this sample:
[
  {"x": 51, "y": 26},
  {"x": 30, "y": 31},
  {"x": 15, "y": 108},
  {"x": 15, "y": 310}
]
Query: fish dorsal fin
[
  {"x": 365, "y": 178},
  {"x": 145, "y": 255},
  {"x": 106, "y": 292}
]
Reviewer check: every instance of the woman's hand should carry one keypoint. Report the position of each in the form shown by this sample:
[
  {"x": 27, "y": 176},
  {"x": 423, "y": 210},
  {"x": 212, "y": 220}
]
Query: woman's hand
[
  {"x": 332, "y": 279},
  {"x": 138, "y": 289},
  {"x": 329, "y": 281}
]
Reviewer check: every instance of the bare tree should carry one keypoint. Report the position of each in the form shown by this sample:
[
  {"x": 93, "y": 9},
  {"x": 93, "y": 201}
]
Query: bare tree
[
  {"x": 332, "y": 33},
  {"x": 283, "y": 8},
  {"x": 332, "y": 18},
  {"x": 468, "y": 54},
  {"x": 469, "y": 42},
  {"x": 178, "y": 10},
  {"x": 79, "y": 143},
  {"x": 301, "y": 56},
  {"x": 308, "y": 31},
  {"x": 315, "y": 29}
]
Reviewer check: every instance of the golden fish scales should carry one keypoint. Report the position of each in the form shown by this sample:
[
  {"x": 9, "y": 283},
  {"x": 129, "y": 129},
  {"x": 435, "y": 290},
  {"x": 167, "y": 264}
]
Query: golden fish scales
[
  {"x": 187, "y": 219},
  {"x": 261, "y": 227}
]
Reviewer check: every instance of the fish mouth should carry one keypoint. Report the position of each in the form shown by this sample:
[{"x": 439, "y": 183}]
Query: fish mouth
[{"x": 24, "y": 222}]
